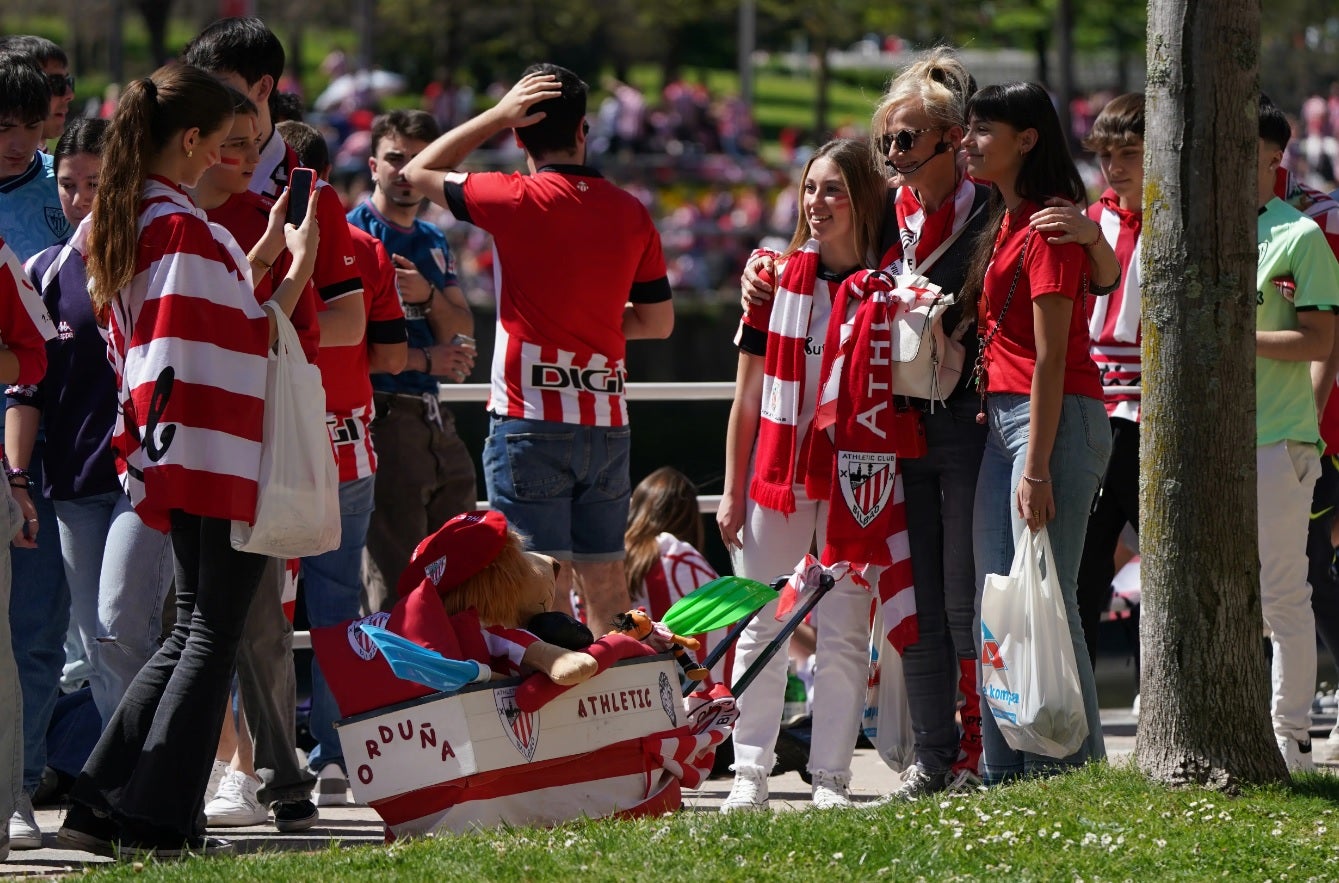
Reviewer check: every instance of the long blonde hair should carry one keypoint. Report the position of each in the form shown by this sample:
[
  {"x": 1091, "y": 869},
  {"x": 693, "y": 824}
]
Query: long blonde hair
[
  {"x": 151, "y": 110},
  {"x": 865, "y": 187}
]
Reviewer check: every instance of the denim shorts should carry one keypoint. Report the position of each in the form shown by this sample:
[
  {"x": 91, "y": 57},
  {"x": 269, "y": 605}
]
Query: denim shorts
[{"x": 563, "y": 485}]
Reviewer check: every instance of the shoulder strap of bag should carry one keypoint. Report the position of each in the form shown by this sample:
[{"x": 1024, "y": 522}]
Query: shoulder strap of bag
[{"x": 923, "y": 267}]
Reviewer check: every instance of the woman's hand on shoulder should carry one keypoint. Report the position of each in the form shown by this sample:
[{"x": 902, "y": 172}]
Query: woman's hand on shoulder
[
  {"x": 758, "y": 283},
  {"x": 1061, "y": 222}
]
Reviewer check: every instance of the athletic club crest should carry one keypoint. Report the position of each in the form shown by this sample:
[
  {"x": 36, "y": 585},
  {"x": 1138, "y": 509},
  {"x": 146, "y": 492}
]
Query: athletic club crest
[
  {"x": 358, "y": 639},
  {"x": 435, "y": 570},
  {"x": 667, "y": 699},
  {"x": 867, "y": 483},
  {"x": 521, "y": 727}
]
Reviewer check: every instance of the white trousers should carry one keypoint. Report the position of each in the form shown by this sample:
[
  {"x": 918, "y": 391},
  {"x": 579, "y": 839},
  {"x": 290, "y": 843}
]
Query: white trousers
[
  {"x": 772, "y": 545},
  {"x": 1286, "y": 477}
]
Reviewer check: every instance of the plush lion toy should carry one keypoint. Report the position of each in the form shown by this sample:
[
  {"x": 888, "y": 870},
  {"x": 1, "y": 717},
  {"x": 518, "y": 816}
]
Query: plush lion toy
[{"x": 477, "y": 561}]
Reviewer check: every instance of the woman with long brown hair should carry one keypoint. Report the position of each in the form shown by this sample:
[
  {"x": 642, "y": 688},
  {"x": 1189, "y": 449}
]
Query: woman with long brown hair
[{"x": 189, "y": 344}]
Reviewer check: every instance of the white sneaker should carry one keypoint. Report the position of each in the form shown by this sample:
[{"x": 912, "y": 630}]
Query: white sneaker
[
  {"x": 236, "y": 804},
  {"x": 23, "y": 830},
  {"x": 1328, "y": 751},
  {"x": 332, "y": 786},
  {"x": 831, "y": 792},
  {"x": 1134, "y": 708},
  {"x": 917, "y": 782},
  {"x": 964, "y": 782},
  {"x": 216, "y": 774},
  {"x": 1297, "y": 755},
  {"x": 749, "y": 793}
]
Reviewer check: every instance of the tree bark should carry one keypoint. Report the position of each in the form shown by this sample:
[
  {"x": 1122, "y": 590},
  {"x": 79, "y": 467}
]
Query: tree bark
[
  {"x": 1204, "y": 690},
  {"x": 822, "y": 80}
]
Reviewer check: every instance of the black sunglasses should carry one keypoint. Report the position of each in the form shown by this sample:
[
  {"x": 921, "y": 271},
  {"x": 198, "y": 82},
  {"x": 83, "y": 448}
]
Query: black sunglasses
[
  {"x": 61, "y": 84},
  {"x": 903, "y": 140}
]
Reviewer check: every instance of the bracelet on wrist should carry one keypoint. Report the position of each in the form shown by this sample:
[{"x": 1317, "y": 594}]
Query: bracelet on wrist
[
  {"x": 1030, "y": 480},
  {"x": 257, "y": 259},
  {"x": 19, "y": 478}
]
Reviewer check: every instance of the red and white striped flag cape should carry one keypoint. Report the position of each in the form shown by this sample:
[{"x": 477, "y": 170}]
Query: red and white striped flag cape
[
  {"x": 188, "y": 342},
  {"x": 637, "y": 777}
]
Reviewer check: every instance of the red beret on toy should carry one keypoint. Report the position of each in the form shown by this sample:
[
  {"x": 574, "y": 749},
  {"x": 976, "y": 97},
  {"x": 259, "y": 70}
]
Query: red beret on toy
[{"x": 457, "y": 551}]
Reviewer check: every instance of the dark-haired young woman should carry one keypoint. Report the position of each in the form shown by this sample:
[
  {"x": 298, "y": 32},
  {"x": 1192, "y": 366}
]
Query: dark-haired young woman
[
  {"x": 189, "y": 342},
  {"x": 1047, "y": 434}
]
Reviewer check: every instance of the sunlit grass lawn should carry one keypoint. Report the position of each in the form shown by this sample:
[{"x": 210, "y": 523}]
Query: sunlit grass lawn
[{"x": 1101, "y": 823}]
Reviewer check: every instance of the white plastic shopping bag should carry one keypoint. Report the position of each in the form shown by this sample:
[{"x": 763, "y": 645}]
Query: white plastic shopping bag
[
  {"x": 1028, "y": 673},
  {"x": 297, "y": 513},
  {"x": 887, "y": 717}
]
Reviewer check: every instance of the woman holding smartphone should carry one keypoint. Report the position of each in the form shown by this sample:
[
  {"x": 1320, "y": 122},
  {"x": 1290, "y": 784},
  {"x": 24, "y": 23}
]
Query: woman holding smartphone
[{"x": 189, "y": 344}]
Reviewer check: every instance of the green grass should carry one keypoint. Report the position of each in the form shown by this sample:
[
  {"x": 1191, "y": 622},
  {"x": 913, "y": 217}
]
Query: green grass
[{"x": 1101, "y": 823}]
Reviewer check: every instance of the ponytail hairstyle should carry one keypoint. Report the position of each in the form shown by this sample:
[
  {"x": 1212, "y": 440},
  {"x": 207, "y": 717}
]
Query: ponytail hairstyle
[
  {"x": 663, "y": 502},
  {"x": 1047, "y": 170},
  {"x": 151, "y": 111}
]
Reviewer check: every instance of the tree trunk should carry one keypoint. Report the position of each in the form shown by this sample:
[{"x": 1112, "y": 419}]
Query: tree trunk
[
  {"x": 1204, "y": 690},
  {"x": 155, "y": 14},
  {"x": 821, "y": 81}
]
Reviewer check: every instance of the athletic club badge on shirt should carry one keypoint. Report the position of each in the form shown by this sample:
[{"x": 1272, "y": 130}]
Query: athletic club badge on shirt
[
  {"x": 439, "y": 258},
  {"x": 867, "y": 483}
]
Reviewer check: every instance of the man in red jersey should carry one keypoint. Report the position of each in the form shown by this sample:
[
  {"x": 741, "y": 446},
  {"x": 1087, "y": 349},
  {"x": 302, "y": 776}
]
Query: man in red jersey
[{"x": 581, "y": 273}]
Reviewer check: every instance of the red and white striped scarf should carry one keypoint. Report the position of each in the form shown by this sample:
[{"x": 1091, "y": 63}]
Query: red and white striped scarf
[
  {"x": 1113, "y": 323},
  {"x": 188, "y": 342},
  {"x": 856, "y": 470},
  {"x": 920, "y": 236},
  {"x": 783, "y": 389}
]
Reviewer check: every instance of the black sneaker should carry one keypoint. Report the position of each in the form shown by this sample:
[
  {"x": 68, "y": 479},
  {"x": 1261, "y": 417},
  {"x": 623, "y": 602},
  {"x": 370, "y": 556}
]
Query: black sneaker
[
  {"x": 86, "y": 830},
  {"x": 148, "y": 841},
  {"x": 294, "y": 815}
]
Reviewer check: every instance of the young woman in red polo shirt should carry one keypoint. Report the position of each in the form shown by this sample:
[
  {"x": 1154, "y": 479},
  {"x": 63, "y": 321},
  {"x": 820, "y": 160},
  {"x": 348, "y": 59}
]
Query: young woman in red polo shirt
[{"x": 1047, "y": 435}]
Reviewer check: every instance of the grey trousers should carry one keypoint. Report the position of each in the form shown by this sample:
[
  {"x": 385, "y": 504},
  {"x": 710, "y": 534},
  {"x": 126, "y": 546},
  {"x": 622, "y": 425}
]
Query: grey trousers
[{"x": 269, "y": 691}]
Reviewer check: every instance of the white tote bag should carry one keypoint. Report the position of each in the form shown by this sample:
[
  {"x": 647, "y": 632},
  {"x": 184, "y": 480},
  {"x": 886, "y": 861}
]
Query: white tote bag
[
  {"x": 1028, "y": 673},
  {"x": 928, "y": 361},
  {"x": 887, "y": 718},
  {"x": 297, "y": 512}
]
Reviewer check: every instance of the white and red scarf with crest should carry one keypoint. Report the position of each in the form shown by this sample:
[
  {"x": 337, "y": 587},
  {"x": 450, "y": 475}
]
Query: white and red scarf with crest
[{"x": 851, "y": 458}]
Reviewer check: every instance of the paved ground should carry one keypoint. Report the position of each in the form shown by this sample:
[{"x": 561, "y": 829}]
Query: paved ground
[{"x": 358, "y": 825}]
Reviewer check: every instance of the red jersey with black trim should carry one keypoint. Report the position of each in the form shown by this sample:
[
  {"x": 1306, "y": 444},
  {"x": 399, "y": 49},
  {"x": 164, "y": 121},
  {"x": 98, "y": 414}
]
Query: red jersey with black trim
[
  {"x": 572, "y": 251},
  {"x": 245, "y": 216},
  {"x": 344, "y": 369},
  {"x": 1011, "y": 354}
]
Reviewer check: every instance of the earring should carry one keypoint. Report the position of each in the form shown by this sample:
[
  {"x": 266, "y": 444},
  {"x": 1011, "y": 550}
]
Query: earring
[{"x": 190, "y": 153}]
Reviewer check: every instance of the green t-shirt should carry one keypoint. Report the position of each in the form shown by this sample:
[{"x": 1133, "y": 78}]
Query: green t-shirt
[{"x": 1290, "y": 245}]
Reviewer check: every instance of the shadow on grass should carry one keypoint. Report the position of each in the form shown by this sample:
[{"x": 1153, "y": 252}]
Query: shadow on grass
[{"x": 1322, "y": 786}]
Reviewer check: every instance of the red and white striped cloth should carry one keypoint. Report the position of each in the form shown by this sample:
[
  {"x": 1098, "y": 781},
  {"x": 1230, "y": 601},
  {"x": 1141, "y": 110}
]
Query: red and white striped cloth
[
  {"x": 634, "y": 778},
  {"x": 188, "y": 342},
  {"x": 1113, "y": 321},
  {"x": 897, "y": 598},
  {"x": 783, "y": 385}
]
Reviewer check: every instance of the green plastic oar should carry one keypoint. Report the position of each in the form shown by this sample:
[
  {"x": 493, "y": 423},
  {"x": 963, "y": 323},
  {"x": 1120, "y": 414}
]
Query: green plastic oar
[{"x": 720, "y": 602}]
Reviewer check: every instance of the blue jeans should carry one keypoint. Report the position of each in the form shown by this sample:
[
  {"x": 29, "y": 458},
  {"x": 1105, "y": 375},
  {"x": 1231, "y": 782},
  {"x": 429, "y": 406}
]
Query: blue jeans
[
  {"x": 119, "y": 571},
  {"x": 940, "y": 493},
  {"x": 1078, "y": 459},
  {"x": 332, "y": 588},
  {"x": 563, "y": 485},
  {"x": 39, "y": 615}
]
